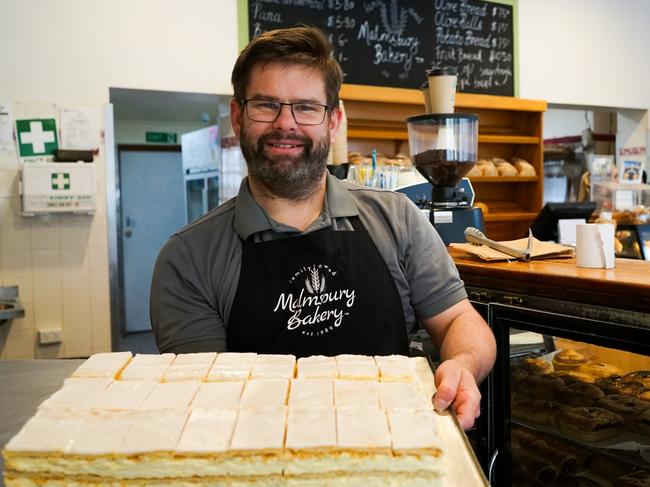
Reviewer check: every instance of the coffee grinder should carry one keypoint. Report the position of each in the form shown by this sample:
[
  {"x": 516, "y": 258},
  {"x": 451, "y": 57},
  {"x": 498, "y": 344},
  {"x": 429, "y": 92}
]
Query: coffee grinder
[{"x": 443, "y": 148}]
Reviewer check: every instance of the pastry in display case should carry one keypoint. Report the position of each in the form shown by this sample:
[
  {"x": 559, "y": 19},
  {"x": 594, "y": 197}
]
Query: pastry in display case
[{"x": 578, "y": 411}]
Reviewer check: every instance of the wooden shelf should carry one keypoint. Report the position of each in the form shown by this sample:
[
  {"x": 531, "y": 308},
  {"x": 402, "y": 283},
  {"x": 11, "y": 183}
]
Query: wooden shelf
[
  {"x": 507, "y": 139},
  {"x": 508, "y": 127},
  {"x": 381, "y": 94},
  {"x": 507, "y": 217},
  {"x": 359, "y": 133},
  {"x": 356, "y": 131},
  {"x": 503, "y": 179}
]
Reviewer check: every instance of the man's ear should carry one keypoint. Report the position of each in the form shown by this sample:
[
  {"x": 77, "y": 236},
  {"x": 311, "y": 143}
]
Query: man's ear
[
  {"x": 335, "y": 123},
  {"x": 235, "y": 115}
]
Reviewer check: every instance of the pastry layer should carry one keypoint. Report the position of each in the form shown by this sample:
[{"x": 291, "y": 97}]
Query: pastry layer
[{"x": 362, "y": 428}]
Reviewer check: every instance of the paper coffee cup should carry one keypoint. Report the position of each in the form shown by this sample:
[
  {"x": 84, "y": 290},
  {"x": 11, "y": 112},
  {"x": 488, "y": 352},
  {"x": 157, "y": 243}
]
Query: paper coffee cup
[
  {"x": 427, "y": 97},
  {"x": 595, "y": 245},
  {"x": 442, "y": 89}
]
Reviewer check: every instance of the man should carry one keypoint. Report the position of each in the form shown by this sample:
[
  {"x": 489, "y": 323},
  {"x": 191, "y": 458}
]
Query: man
[{"x": 300, "y": 262}]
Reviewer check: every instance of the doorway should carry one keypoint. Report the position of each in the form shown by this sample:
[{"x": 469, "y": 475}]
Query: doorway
[
  {"x": 152, "y": 208},
  {"x": 137, "y": 115}
]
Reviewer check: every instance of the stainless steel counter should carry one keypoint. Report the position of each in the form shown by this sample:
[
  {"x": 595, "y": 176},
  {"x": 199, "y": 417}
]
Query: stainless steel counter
[{"x": 24, "y": 384}]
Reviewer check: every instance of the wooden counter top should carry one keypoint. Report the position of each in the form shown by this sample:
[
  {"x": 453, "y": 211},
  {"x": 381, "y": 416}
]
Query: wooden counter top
[{"x": 627, "y": 286}]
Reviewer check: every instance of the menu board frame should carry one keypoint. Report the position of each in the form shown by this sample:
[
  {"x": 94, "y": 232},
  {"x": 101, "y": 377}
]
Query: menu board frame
[{"x": 244, "y": 36}]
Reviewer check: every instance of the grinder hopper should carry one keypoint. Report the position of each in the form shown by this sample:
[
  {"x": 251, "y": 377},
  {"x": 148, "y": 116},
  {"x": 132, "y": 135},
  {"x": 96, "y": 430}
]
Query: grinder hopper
[{"x": 443, "y": 148}]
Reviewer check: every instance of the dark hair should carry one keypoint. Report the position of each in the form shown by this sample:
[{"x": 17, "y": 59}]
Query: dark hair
[{"x": 307, "y": 46}]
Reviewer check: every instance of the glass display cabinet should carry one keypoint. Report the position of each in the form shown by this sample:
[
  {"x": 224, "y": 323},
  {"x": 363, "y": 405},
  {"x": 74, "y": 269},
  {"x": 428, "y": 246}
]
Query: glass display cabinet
[{"x": 571, "y": 396}]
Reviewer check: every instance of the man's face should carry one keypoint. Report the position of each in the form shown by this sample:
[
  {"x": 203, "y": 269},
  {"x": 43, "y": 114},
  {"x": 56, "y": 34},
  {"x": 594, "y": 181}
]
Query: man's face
[{"x": 286, "y": 158}]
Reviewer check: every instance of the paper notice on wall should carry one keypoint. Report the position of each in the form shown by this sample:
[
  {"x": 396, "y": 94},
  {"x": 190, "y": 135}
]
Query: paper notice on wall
[
  {"x": 6, "y": 127},
  {"x": 80, "y": 127}
]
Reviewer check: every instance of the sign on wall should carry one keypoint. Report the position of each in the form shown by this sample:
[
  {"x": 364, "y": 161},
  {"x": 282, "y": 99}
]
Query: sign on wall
[{"x": 37, "y": 139}]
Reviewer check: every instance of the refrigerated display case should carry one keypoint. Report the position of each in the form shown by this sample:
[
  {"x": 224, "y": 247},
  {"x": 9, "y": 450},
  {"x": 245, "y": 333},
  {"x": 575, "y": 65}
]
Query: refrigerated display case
[{"x": 576, "y": 411}]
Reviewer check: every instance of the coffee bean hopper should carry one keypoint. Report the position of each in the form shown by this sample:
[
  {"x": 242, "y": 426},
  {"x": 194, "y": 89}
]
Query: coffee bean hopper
[{"x": 443, "y": 148}]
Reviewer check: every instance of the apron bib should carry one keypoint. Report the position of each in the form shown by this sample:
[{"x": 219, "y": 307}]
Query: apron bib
[{"x": 324, "y": 293}]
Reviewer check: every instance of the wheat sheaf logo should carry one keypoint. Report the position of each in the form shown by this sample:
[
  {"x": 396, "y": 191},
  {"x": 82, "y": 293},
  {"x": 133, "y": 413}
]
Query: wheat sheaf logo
[
  {"x": 316, "y": 303},
  {"x": 315, "y": 283}
]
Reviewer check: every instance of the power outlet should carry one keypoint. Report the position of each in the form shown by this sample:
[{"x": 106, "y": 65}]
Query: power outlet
[{"x": 48, "y": 337}]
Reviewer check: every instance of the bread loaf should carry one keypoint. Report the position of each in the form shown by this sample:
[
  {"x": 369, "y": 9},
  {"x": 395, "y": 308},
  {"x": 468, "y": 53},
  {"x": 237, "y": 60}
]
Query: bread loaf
[
  {"x": 506, "y": 170},
  {"x": 524, "y": 168}
]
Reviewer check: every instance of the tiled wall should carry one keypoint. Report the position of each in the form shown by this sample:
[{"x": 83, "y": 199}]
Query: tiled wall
[{"x": 60, "y": 264}]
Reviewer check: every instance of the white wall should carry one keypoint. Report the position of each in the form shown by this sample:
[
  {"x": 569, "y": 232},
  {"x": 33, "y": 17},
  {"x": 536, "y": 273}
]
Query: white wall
[
  {"x": 576, "y": 52},
  {"x": 73, "y": 51},
  {"x": 585, "y": 52},
  {"x": 77, "y": 49}
]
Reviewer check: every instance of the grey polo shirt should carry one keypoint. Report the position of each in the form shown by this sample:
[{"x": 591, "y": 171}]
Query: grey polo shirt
[{"x": 197, "y": 271}]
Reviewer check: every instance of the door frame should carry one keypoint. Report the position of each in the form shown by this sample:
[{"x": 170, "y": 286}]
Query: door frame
[{"x": 118, "y": 316}]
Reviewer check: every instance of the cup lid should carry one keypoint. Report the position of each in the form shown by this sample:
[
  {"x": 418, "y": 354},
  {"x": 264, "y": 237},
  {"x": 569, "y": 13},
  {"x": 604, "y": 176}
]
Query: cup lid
[
  {"x": 443, "y": 116},
  {"x": 444, "y": 71},
  {"x": 424, "y": 85}
]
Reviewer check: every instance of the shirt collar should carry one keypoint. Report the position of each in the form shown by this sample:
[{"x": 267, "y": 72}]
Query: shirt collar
[{"x": 251, "y": 218}]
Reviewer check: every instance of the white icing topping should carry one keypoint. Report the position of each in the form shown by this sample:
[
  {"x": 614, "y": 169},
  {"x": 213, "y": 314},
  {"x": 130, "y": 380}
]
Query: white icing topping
[
  {"x": 218, "y": 395},
  {"x": 273, "y": 366},
  {"x": 401, "y": 395},
  {"x": 317, "y": 367},
  {"x": 154, "y": 431},
  {"x": 154, "y": 372},
  {"x": 356, "y": 393},
  {"x": 78, "y": 394},
  {"x": 413, "y": 429},
  {"x": 356, "y": 367},
  {"x": 272, "y": 371},
  {"x": 207, "y": 431},
  {"x": 236, "y": 358},
  {"x": 106, "y": 365},
  {"x": 362, "y": 428},
  {"x": 229, "y": 371},
  {"x": 171, "y": 395},
  {"x": 125, "y": 394},
  {"x": 275, "y": 359},
  {"x": 311, "y": 392},
  {"x": 396, "y": 368},
  {"x": 259, "y": 429},
  {"x": 48, "y": 430},
  {"x": 179, "y": 372},
  {"x": 153, "y": 359},
  {"x": 311, "y": 428},
  {"x": 100, "y": 433},
  {"x": 264, "y": 393},
  {"x": 195, "y": 358}
]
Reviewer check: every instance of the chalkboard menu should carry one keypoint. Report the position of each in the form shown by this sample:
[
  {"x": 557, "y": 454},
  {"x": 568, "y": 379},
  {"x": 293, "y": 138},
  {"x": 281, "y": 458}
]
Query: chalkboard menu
[{"x": 394, "y": 42}]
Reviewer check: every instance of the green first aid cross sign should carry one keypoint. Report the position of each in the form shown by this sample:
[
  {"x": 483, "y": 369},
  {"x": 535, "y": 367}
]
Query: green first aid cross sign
[
  {"x": 36, "y": 137},
  {"x": 60, "y": 180}
]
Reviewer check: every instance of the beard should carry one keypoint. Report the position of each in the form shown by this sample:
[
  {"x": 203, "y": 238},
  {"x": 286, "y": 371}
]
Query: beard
[{"x": 287, "y": 177}]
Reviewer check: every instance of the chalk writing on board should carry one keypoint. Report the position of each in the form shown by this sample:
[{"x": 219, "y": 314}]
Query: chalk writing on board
[{"x": 394, "y": 42}]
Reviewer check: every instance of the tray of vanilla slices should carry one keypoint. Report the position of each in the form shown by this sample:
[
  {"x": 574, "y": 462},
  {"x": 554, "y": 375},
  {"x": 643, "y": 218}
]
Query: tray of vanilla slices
[
  {"x": 576, "y": 416},
  {"x": 243, "y": 419}
]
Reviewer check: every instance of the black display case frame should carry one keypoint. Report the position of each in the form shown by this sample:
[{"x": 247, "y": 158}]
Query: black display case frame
[{"x": 631, "y": 336}]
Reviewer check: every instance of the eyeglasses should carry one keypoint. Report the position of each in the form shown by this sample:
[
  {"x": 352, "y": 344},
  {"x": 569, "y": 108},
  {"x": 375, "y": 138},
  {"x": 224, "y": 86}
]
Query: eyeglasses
[{"x": 268, "y": 111}]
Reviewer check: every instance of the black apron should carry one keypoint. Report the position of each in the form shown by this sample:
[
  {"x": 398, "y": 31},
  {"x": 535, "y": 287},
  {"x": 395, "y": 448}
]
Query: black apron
[{"x": 324, "y": 293}]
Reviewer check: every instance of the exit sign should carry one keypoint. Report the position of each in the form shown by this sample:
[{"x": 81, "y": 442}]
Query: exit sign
[{"x": 162, "y": 137}]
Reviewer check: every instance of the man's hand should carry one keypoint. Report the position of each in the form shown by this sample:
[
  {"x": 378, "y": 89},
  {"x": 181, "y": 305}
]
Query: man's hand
[{"x": 456, "y": 385}]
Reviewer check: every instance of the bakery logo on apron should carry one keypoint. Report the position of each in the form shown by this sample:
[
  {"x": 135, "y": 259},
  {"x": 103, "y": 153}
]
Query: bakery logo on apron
[{"x": 315, "y": 305}]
